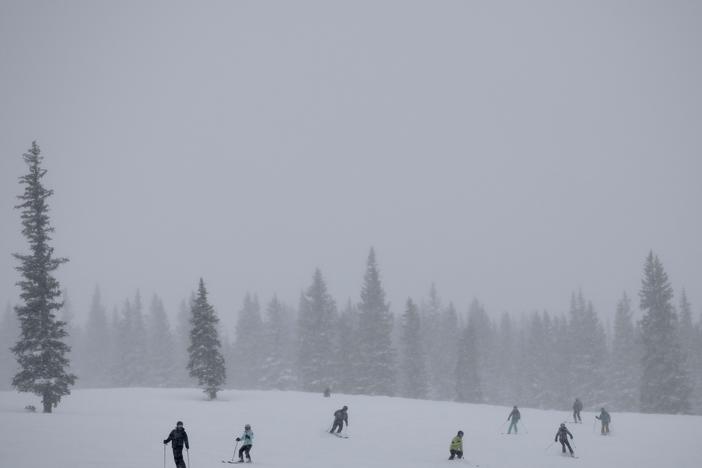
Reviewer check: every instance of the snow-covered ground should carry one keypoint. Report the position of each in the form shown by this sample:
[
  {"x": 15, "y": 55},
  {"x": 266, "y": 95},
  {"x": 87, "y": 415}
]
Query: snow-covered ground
[{"x": 125, "y": 428}]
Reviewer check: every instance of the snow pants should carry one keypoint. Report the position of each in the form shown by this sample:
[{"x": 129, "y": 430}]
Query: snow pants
[
  {"x": 178, "y": 457},
  {"x": 245, "y": 449},
  {"x": 605, "y": 428},
  {"x": 338, "y": 425},
  {"x": 513, "y": 424},
  {"x": 456, "y": 453},
  {"x": 576, "y": 416},
  {"x": 564, "y": 444}
]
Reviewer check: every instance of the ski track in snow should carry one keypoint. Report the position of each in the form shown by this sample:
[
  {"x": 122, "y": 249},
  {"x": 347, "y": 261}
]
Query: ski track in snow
[{"x": 125, "y": 428}]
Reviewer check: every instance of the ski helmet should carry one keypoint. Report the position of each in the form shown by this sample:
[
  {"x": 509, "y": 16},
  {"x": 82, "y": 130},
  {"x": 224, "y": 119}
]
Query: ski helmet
[
  {"x": 247, "y": 427},
  {"x": 562, "y": 424},
  {"x": 460, "y": 433},
  {"x": 179, "y": 423},
  {"x": 345, "y": 407}
]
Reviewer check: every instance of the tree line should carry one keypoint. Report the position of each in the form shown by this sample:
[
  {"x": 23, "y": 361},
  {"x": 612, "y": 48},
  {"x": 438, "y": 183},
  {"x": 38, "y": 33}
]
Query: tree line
[{"x": 428, "y": 350}]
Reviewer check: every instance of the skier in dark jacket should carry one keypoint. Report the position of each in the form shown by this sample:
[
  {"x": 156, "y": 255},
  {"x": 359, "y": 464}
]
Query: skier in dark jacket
[
  {"x": 341, "y": 416},
  {"x": 605, "y": 418},
  {"x": 562, "y": 437},
  {"x": 577, "y": 408},
  {"x": 515, "y": 416},
  {"x": 178, "y": 437}
]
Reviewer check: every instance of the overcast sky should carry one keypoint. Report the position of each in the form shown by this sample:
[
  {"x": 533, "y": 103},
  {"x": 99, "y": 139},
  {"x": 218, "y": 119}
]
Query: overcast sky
[{"x": 512, "y": 152}]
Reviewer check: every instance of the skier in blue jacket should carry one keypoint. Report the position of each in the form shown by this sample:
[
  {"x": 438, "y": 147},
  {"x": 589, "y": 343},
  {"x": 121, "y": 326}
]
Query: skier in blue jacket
[{"x": 246, "y": 440}]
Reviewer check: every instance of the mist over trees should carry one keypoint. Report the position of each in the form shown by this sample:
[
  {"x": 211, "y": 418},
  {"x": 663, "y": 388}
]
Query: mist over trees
[{"x": 426, "y": 350}]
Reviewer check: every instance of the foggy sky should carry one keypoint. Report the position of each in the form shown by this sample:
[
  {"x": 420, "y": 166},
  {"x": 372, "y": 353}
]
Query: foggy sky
[{"x": 511, "y": 152}]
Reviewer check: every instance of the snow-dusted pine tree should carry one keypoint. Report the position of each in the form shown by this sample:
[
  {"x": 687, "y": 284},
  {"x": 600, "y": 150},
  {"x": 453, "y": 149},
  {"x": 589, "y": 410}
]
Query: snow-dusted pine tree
[
  {"x": 413, "y": 373},
  {"x": 206, "y": 362},
  {"x": 316, "y": 331},
  {"x": 376, "y": 356},
  {"x": 665, "y": 387},
  {"x": 41, "y": 349}
]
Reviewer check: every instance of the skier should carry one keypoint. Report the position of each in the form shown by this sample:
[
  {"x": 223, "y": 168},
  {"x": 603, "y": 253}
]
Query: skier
[
  {"x": 178, "y": 437},
  {"x": 515, "y": 417},
  {"x": 246, "y": 440},
  {"x": 340, "y": 416},
  {"x": 605, "y": 418},
  {"x": 562, "y": 437},
  {"x": 577, "y": 408},
  {"x": 327, "y": 392},
  {"x": 456, "y": 447}
]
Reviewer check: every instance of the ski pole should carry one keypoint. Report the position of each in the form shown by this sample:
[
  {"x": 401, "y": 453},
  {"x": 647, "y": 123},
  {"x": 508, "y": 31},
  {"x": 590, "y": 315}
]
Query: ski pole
[
  {"x": 164, "y": 455},
  {"x": 501, "y": 428},
  {"x": 526, "y": 429},
  {"x": 187, "y": 451},
  {"x": 550, "y": 445},
  {"x": 235, "y": 446}
]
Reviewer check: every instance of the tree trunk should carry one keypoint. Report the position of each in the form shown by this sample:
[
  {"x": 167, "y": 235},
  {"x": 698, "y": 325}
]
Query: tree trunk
[{"x": 47, "y": 405}]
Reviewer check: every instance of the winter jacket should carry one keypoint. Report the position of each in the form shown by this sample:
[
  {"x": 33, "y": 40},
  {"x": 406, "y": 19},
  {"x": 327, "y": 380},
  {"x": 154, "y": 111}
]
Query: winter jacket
[
  {"x": 514, "y": 415},
  {"x": 178, "y": 437},
  {"x": 341, "y": 415},
  {"x": 604, "y": 417},
  {"x": 562, "y": 434},
  {"x": 246, "y": 438},
  {"x": 457, "y": 443},
  {"x": 578, "y": 405}
]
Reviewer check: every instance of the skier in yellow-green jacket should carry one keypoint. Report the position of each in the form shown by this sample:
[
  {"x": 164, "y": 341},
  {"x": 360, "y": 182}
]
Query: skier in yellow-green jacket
[{"x": 457, "y": 446}]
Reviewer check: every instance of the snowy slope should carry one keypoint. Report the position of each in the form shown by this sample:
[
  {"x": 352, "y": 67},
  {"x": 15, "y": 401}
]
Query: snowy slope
[{"x": 125, "y": 428}]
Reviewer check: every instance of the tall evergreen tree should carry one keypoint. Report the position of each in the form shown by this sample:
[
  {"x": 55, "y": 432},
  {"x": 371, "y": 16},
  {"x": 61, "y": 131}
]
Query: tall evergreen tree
[
  {"x": 587, "y": 351},
  {"x": 277, "y": 367},
  {"x": 665, "y": 387},
  {"x": 161, "y": 365},
  {"x": 96, "y": 345},
  {"x": 316, "y": 336},
  {"x": 506, "y": 356},
  {"x": 206, "y": 362},
  {"x": 440, "y": 382},
  {"x": 537, "y": 389},
  {"x": 484, "y": 337},
  {"x": 376, "y": 356},
  {"x": 625, "y": 365},
  {"x": 41, "y": 349},
  {"x": 131, "y": 365},
  {"x": 413, "y": 375},
  {"x": 347, "y": 350},
  {"x": 468, "y": 381},
  {"x": 245, "y": 368}
]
